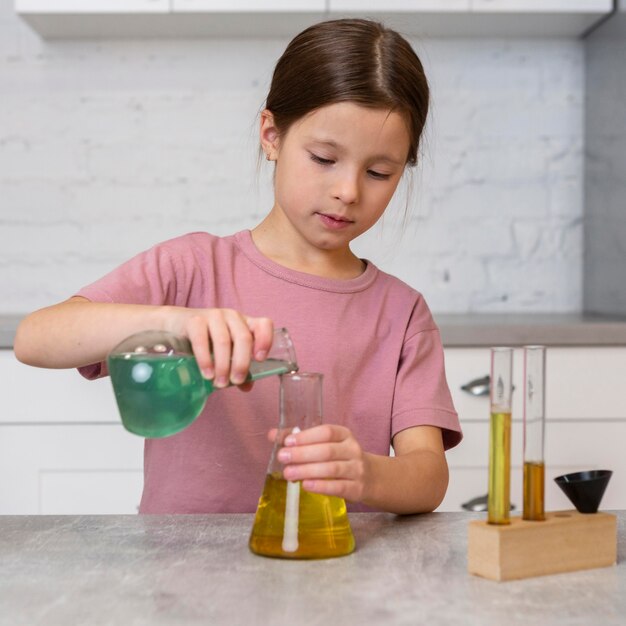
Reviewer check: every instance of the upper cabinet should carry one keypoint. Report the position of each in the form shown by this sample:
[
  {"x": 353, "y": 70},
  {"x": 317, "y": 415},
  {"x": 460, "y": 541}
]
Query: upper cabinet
[
  {"x": 269, "y": 18},
  {"x": 86, "y": 19},
  {"x": 90, "y": 7},
  {"x": 481, "y": 18}
]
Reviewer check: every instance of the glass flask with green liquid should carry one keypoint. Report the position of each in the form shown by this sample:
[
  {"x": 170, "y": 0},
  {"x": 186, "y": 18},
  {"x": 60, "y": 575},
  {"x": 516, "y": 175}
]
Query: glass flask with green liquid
[
  {"x": 158, "y": 385},
  {"x": 290, "y": 522}
]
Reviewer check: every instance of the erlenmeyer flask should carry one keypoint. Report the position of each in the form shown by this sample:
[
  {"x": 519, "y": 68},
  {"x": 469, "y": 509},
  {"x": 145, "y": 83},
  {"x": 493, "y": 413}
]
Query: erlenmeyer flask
[
  {"x": 291, "y": 522},
  {"x": 159, "y": 387}
]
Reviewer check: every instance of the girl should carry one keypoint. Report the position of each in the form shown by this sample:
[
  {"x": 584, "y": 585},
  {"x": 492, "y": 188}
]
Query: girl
[{"x": 343, "y": 119}]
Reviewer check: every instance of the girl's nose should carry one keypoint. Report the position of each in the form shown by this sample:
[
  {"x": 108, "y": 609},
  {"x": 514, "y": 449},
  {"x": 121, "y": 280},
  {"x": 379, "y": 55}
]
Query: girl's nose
[{"x": 346, "y": 189}]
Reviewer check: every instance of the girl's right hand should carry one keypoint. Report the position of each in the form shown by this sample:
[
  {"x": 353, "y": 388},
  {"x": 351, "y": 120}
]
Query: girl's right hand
[{"x": 224, "y": 342}]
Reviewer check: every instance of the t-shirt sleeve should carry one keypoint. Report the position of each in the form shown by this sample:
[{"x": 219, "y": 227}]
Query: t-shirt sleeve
[
  {"x": 151, "y": 277},
  {"x": 422, "y": 396}
]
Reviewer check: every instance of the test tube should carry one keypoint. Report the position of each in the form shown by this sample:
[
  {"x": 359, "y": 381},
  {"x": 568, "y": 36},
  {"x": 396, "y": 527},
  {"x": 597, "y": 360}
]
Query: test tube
[
  {"x": 534, "y": 432},
  {"x": 498, "y": 499}
]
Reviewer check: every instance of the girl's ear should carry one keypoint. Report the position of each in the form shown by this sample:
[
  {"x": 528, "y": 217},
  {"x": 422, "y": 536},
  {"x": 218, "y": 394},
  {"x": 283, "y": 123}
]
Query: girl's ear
[{"x": 269, "y": 135}]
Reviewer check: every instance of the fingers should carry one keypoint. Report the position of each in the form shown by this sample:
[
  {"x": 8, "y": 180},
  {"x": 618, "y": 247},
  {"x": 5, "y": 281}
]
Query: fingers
[
  {"x": 343, "y": 479},
  {"x": 319, "y": 453},
  {"x": 262, "y": 329},
  {"x": 242, "y": 340},
  {"x": 319, "y": 444},
  {"x": 198, "y": 335},
  {"x": 340, "y": 488},
  {"x": 318, "y": 434},
  {"x": 349, "y": 470},
  {"x": 221, "y": 346},
  {"x": 327, "y": 459},
  {"x": 224, "y": 342}
]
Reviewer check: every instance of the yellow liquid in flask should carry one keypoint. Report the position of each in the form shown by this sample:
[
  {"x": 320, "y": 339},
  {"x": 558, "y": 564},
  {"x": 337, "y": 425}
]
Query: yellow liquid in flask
[{"x": 323, "y": 528}]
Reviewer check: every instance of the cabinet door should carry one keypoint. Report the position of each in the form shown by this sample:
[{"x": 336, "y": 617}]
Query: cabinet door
[
  {"x": 585, "y": 422},
  {"x": 586, "y": 383},
  {"x": 465, "y": 365},
  {"x": 32, "y": 395},
  {"x": 581, "y": 382},
  {"x": 409, "y": 6},
  {"x": 92, "y": 6},
  {"x": 62, "y": 445},
  {"x": 543, "y": 6},
  {"x": 569, "y": 447},
  {"x": 251, "y": 6},
  {"x": 53, "y": 469}
]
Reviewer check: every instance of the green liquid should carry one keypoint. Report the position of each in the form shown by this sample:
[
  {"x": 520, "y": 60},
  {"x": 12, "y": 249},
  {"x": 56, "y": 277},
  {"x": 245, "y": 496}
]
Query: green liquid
[
  {"x": 157, "y": 396},
  {"x": 160, "y": 395}
]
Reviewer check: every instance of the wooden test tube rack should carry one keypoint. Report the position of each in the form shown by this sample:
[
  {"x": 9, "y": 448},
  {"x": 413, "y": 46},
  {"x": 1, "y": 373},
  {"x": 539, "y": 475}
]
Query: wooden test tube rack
[{"x": 565, "y": 542}]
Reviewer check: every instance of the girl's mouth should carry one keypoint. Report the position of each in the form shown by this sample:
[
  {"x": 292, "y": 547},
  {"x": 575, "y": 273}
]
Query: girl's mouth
[{"x": 334, "y": 222}]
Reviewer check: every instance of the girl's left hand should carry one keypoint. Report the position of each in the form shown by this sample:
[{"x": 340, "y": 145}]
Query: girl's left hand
[{"x": 328, "y": 460}]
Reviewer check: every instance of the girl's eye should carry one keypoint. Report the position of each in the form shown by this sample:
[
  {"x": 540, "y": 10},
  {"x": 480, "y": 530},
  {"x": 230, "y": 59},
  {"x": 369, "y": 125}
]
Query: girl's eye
[
  {"x": 378, "y": 175},
  {"x": 320, "y": 160}
]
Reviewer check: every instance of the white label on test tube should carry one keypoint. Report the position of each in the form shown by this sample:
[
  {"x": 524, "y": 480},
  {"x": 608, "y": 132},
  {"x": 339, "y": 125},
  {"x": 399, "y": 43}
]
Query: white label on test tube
[{"x": 292, "y": 510}]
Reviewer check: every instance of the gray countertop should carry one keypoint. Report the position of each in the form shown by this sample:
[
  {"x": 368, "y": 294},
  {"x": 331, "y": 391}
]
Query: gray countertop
[
  {"x": 483, "y": 329},
  {"x": 197, "y": 569},
  {"x": 550, "y": 329}
]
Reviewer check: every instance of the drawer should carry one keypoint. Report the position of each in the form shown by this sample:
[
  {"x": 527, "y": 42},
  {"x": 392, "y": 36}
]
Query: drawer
[
  {"x": 69, "y": 469},
  {"x": 32, "y": 394},
  {"x": 89, "y": 492},
  {"x": 569, "y": 447},
  {"x": 581, "y": 383}
]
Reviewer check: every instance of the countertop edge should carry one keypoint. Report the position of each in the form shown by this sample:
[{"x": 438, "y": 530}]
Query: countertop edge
[
  {"x": 483, "y": 329},
  {"x": 478, "y": 330}
]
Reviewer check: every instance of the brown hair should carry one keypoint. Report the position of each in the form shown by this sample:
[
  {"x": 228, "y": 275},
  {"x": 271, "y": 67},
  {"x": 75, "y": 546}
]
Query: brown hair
[{"x": 350, "y": 60}]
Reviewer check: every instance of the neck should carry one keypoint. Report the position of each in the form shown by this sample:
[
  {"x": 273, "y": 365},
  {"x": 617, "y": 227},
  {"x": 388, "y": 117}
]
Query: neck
[{"x": 276, "y": 239}]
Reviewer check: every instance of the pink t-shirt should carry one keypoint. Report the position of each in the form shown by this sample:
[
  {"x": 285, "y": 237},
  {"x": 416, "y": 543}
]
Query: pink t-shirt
[{"x": 372, "y": 337}]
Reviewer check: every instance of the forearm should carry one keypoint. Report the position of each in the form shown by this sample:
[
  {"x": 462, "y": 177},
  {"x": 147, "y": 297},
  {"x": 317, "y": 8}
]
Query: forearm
[
  {"x": 414, "y": 482},
  {"x": 79, "y": 332}
]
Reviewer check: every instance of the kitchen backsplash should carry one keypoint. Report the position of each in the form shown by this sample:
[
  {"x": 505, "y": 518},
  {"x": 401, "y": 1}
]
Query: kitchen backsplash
[{"x": 109, "y": 147}]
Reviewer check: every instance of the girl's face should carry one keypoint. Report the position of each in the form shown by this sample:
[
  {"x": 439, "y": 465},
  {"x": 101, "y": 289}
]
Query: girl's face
[{"x": 336, "y": 170}]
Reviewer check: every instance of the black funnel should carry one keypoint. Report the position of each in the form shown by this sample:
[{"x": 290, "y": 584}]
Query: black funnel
[{"x": 585, "y": 489}]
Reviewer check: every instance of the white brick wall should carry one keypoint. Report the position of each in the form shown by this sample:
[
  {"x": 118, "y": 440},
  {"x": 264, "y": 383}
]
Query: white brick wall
[{"x": 109, "y": 147}]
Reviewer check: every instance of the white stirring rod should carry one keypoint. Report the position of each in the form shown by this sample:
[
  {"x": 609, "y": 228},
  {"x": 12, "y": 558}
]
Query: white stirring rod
[{"x": 292, "y": 510}]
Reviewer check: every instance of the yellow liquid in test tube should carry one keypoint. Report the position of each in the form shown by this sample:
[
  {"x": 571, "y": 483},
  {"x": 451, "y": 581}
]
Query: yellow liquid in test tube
[
  {"x": 534, "y": 484},
  {"x": 498, "y": 502}
]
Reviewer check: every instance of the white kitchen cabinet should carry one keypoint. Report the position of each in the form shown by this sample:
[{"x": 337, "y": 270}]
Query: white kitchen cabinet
[
  {"x": 408, "y": 6},
  {"x": 249, "y": 6},
  {"x": 67, "y": 19},
  {"x": 63, "y": 449},
  {"x": 272, "y": 18},
  {"x": 585, "y": 422},
  {"x": 40, "y": 396},
  {"x": 541, "y": 6},
  {"x": 78, "y": 468},
  {"x": 92, "y": 6},
  {"x": 581, "y": 382},
  {"x": 62, "y": 446},
  {"x": 480, "y": 18}
]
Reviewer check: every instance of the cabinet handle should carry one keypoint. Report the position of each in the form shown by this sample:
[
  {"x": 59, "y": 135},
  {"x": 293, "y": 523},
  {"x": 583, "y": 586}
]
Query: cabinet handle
[
  {"x": 480, "y": 504},
  {"x": 477, "y": 387}
]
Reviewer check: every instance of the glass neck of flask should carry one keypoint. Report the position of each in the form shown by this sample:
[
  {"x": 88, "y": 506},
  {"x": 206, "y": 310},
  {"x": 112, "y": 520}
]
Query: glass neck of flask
[{"x": 300, "y": 408}]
